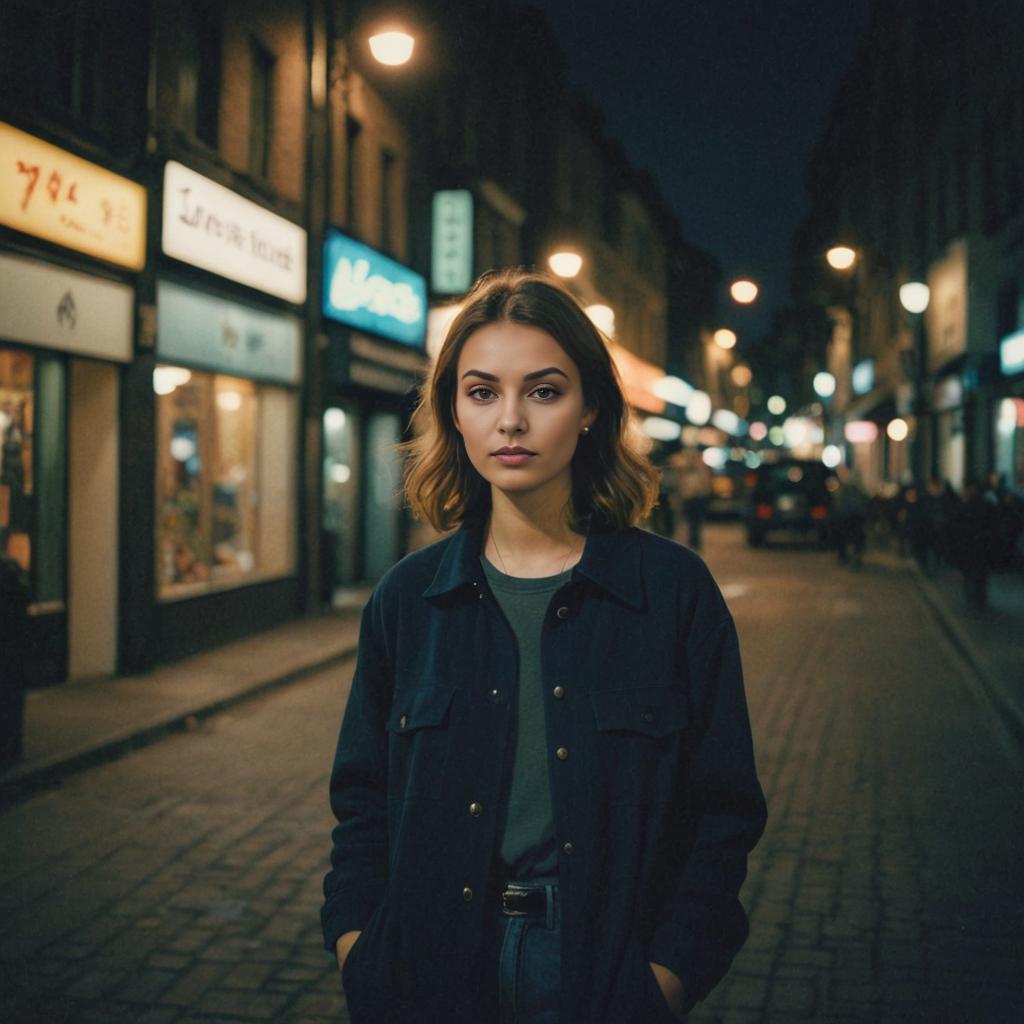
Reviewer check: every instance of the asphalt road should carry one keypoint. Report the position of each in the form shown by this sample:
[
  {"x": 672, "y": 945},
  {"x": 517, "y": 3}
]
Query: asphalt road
[{"x": 181, "y": 882}]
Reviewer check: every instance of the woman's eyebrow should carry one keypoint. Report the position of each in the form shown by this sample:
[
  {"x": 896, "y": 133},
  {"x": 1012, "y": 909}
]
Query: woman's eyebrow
[{"x": 547, "y": 371}]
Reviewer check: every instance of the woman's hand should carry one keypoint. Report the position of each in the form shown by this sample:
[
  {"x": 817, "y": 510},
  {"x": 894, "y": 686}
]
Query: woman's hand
[
  {"x": 671, "y": 988},
  {"x": 343, "y": 947}
]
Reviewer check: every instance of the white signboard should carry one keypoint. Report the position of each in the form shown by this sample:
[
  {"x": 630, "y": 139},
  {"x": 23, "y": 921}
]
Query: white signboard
[
  {"x": 218, "y": 230},
  {"x": 50, "y": 307}
]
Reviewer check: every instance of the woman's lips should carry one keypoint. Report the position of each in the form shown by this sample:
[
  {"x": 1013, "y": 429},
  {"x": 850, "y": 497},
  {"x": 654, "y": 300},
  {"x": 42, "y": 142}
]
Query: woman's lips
[{"x": 508, "y": 459}]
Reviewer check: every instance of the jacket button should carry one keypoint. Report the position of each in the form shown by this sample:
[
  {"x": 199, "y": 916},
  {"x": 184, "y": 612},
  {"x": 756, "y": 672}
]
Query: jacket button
[
  {"x": 567, "y": 849},
  {"x": 475, "y": 809},
  {"x": 467, "y": 894},
  {"x": 561, "y": 753},
  {"x": 402, "y": 721},
  {"x": 563, "y": 612},
  {"x": 559, "y": 692},
  {"x": 648, "y": 715}
]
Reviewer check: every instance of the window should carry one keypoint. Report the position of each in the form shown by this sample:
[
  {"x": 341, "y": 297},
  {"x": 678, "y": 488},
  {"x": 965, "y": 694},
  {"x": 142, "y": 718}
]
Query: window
[
  {"x": 33, "y": 468},
  {"x": 225, "y": 458},
  {"x": 388, "y": 198},
  {"x": 17, "y": 433},
  {"x": 261, "y": 109},
  {"x": 352, "y": 148},
  {"x": 200, "y": 71},
  {"x": 77, "y": 60}
]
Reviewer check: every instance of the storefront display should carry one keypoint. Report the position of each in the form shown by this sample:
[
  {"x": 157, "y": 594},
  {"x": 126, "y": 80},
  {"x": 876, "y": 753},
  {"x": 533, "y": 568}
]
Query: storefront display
[
  {"x": 225, "y": 443},
  {"x": 17, "y": 407}
]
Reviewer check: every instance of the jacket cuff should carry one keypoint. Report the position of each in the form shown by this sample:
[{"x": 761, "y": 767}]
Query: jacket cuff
[
  {"x": 698, "y": 943},
  {"x": 347, "y": 912}
]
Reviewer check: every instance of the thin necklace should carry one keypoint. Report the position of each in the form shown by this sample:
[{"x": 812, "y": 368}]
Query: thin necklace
[{"x": 504, "y": 568}]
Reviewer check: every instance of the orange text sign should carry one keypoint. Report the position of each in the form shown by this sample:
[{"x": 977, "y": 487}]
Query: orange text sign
[{"x": 47, "y": 192}]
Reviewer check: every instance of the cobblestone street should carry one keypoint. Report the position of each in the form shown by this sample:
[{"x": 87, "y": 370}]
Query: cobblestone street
[{"x": 180, "y": 883}]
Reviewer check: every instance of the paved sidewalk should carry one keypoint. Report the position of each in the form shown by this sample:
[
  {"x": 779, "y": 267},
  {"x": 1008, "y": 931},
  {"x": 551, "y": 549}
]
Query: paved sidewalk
[
  {"x": 991, "y": 639},
  {"x": 71, "y": 726}
]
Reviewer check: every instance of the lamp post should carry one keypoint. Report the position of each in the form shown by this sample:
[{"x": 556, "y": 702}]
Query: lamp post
[{"x": 914, "y": 298}]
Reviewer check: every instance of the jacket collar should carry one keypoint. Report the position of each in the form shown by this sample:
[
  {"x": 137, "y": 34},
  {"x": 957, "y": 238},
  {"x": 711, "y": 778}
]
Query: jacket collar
[{"x": 611, "y": 560}]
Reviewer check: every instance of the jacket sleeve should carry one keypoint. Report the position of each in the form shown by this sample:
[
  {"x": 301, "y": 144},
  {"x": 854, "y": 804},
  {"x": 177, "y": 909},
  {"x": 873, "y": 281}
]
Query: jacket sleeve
[
  {"x": 704, "y": 925},
  {"x": 355, "y": 885}
]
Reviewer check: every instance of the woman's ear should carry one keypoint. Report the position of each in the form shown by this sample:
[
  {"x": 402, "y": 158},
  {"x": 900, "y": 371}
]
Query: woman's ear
[{"x": 589, "y": 415}]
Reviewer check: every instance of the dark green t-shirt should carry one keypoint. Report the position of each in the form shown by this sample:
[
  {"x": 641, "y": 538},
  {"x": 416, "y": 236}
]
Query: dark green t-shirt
[{"x": 526, "y": 834}]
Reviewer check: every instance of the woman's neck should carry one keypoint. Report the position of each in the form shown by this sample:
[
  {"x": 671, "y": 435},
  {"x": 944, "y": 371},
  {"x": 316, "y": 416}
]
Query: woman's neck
[{"x": 531, "y": 542}]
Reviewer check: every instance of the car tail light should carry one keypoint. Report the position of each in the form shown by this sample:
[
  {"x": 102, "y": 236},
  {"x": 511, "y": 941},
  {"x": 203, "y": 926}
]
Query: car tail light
[
  {"x": 819, "y": 512},
  {"x": 764, "y": 511}
]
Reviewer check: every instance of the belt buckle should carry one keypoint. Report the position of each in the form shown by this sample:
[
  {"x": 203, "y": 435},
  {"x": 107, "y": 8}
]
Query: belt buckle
[{"x": 506, "y": 909}]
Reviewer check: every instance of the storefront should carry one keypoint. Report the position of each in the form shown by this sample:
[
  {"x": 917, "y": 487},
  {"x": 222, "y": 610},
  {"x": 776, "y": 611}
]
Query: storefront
[
  {"x": 1008, "y": 413},
  {"x": 375, "y": 313},
  {"x": 226, "y": 380},
  {"x": 66, "y": 329}
]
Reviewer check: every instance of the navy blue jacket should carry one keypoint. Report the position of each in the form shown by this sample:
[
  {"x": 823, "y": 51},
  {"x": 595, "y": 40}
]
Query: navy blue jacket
[{"x": 654, "y": 791}]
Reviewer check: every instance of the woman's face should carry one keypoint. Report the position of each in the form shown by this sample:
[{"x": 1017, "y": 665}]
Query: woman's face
[{"x": 516, "y": 388}]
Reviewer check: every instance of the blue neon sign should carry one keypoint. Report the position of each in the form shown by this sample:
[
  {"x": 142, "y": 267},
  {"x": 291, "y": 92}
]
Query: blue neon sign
[{"x": 369, "y": 291}]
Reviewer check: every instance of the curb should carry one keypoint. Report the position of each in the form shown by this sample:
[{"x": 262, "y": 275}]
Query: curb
[
  {"x": 48, "y": 775},
  {"x": 992, "y": 689}
]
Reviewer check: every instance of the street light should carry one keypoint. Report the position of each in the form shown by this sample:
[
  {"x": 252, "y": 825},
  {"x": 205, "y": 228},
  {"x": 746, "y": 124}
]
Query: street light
[
  {"x": 724, "y": 338},
  {"x": 743, "y": 291},
  {"x": 393, "y": 47},
  {"x": 841, "y": 257},
  {"x": 824, "y": 384},
  {"x": 565, "y": 263},
  {"x": 602, "y": 317},
  {"x": 914, "y": 296}
]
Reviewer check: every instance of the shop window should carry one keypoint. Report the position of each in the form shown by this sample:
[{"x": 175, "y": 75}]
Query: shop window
[
  {"x": 33, "y": 469},
  {"x": 17, "y": 423},
  {"x": 225, "y": 458}
]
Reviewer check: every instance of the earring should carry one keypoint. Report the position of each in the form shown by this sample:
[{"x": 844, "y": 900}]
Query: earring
[{"x": 585, "y": 431}]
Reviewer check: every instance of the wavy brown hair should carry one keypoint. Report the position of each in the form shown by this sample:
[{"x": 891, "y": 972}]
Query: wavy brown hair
[{"x": 612, "y": 478}]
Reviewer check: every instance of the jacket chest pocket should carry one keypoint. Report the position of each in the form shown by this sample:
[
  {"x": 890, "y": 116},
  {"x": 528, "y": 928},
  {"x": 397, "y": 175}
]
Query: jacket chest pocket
[
  {"x": 640, "y": 742},
  {"x": 419, "y": 737}
]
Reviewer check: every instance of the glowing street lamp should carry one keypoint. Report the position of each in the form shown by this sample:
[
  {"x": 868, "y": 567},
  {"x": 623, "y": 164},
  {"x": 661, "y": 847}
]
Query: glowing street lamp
[
  {"x": 841, "y": 257},
  {"x": 914, "y": 296},
  {"x": 393, "y": 47},
  {"x": 743, "y": 291},
  {"x": 603, "y": 318},
  {"x": 776, "y": 405},
  {"x": 565, "y": 263},
  {"x": 897, "y": 429},
  {"x": 724, "y": 338},
  {"x": 824, "y": 384},
  {"x": 741, "y": 375}
]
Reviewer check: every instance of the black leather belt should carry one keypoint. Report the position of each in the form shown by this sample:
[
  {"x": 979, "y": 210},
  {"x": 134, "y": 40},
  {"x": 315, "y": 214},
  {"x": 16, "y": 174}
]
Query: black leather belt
[{"x": 517, "y": 901}]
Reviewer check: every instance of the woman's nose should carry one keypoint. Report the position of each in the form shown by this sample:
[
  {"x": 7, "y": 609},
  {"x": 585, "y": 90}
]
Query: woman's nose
[{"x": 511, "y": 419}]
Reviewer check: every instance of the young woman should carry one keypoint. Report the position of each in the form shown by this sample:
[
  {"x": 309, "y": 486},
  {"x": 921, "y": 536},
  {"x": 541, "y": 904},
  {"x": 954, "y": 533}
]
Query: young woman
[{"x": 544, "y": 784}]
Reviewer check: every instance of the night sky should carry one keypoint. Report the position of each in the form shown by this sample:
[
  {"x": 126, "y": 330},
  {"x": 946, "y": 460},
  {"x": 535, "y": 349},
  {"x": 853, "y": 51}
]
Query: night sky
[{"x": 722, "y": 100}]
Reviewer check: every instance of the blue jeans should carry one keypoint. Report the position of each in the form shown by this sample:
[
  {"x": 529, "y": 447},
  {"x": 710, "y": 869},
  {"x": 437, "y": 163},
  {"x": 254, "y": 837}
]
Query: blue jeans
[
  {"x": 528, "y": 984},
  {"x": 529, "y": 963}
]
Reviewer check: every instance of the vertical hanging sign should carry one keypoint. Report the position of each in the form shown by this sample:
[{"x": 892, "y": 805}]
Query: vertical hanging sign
[{"x": 451, "y": 264}]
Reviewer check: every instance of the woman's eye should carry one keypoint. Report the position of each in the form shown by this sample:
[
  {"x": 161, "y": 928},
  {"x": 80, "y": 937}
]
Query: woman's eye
[
  {"x": 545, "y": 392},
  {"x": 482, "y": 393}
]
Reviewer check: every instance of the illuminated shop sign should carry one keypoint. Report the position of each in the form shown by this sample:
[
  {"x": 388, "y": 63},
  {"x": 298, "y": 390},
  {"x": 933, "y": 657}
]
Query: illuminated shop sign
[
  {"x": 1011, "y": 354},
  {"x": 863, "y": 378},
  {"x": 210, "y": 333},
  {"x": 451, "y": 263},
  {"x": 218, "y": 230},
  {"x": 47, "y": 192},
  {"x": 44, "y": 305},
  {"x": 368, "y": 291}
]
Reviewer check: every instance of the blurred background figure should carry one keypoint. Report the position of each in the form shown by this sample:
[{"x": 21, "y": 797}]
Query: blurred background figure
[
  {"x": 849, "y": 511},
  {"x": 974, "y": 542},
  {"x": 693, "y": 489}
]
